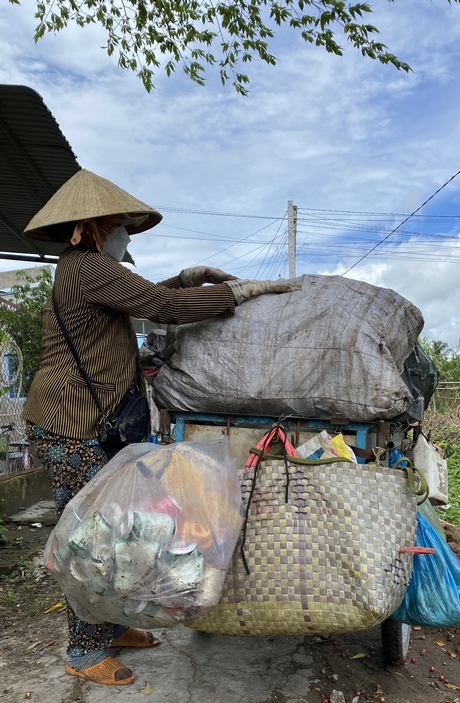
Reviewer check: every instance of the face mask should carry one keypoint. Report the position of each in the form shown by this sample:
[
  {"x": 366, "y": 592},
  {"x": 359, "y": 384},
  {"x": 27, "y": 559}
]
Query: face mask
[{"x": 116, "y": 243}]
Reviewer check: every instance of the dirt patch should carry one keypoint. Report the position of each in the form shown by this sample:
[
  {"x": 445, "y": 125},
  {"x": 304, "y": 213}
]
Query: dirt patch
[
  {"x": 22, "y": 543},
  {"x": 26, "y": 592},
  {"x": 369, "y": 679},
  {"x": 26, "y": 589},
  {"x": 453, "y": 536}
]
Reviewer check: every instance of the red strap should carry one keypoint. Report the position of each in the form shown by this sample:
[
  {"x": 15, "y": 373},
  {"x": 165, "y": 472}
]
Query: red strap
[{"x": 266, "y": 443}]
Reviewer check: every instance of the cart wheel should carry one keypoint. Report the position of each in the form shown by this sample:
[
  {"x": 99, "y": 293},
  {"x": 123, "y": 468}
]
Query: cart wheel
[{"x": 395, "y": 641}]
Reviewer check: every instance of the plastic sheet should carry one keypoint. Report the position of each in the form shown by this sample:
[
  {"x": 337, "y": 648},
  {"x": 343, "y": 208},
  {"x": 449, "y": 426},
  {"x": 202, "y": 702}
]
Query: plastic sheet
[
  {"x": 148, "y": 541},
  {"x": 432, "y": 598}
]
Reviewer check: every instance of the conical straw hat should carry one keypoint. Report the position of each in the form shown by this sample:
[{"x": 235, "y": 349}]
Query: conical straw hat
[{"x": 86, "y": 195}]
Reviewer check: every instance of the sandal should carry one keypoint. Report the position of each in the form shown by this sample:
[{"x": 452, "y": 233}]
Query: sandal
[
  {"x": 104, "y": 673},
  {"x": 136, "y": 638}
]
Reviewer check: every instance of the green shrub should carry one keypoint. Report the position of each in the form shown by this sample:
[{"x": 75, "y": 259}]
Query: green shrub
[{"x": 448, "y": 437}]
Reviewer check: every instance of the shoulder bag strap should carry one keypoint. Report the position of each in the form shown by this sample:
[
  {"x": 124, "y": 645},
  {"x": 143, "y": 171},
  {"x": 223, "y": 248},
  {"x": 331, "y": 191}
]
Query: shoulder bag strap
[{"x": 75, "y": 355}]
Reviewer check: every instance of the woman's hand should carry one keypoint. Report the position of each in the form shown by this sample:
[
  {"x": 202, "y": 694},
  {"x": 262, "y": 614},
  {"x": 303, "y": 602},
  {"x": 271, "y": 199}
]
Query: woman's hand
[
  {"x": 243, "y": 290},
  {"x": 198, "y": 275}
]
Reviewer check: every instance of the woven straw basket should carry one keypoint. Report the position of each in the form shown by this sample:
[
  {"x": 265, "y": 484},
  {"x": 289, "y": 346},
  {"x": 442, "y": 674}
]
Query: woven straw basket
[{"x": 325, "y": 561}]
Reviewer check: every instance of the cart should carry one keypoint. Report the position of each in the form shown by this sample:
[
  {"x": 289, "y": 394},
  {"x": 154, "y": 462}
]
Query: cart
[{"x": 244, "y": 431}]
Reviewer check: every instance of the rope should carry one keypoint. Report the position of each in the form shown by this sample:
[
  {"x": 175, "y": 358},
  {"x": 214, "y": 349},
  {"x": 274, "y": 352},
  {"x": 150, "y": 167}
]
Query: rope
[
  {"x": 298, "y": 460},
  {"x": 251, "y": 493}
]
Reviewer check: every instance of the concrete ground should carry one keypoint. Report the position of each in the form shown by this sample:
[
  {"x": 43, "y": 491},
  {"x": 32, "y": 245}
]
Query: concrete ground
[{"x": 188, "y": 667}]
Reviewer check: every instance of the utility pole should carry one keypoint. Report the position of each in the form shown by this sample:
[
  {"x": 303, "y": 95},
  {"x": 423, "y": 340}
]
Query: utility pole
[{"x": 292, "y": 236}]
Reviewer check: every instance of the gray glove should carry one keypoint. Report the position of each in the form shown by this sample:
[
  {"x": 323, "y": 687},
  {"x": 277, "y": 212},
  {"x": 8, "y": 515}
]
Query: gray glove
[
  {"x": 198, "y": 275},
  {"x": 242, "y": 290}
]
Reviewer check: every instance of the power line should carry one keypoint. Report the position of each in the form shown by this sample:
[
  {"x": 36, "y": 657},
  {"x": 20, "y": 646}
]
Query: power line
[
  {"x": 221, "y": 239},
  {"x": 402, "y": 223},
  {"x": 210, "y": 235},
  {"x": 354, "y": 226},
  {"x": 240, "y": 242},
  {"x": 181, "y": 210},
  {"x": 360, "y": 213},
  {"x": 280, "y": 257},
  {"x": 330, "y": 219},
  {"x": 433, "y": 237},
  {"x": 328, "y": 240},
  {"x": 248, "y": 265},
  {"x": 401, "y": 251},
  {"x": 392, "y": 214},
  {"x": 267, "y": 261},
  {"x": 249, "y": 252},
  {"x": 273, "y": 240}
]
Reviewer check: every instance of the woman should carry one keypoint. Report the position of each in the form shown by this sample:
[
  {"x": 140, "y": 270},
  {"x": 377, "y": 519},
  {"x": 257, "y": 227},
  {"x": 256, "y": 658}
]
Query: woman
[{"x": 96, "y": 296}]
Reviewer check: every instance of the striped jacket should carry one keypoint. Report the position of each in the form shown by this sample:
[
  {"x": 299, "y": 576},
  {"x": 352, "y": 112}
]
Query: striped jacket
[{"x": 96, "y": 297}]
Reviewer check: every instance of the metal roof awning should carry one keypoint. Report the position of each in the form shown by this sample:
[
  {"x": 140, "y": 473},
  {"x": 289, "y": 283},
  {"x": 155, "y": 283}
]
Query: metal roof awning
[{"x": 35, "y": 161}]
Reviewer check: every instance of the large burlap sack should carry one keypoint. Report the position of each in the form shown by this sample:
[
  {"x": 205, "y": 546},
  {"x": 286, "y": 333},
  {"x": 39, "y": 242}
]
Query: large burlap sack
[{"x": 336, "y": 348}]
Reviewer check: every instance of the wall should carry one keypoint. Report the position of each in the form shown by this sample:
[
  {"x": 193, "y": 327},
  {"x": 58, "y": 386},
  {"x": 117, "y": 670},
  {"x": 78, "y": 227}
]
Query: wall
[{"x": 23, "y": 489}]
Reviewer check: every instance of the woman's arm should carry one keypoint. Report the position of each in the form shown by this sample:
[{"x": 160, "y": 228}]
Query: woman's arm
[
  {"x": 173, "y": 282},
  {"x": 106, "y": 283}
]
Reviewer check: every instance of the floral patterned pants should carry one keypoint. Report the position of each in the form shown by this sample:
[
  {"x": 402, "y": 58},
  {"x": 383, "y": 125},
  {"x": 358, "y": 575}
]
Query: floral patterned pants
[{"x": 70, "y": 464}]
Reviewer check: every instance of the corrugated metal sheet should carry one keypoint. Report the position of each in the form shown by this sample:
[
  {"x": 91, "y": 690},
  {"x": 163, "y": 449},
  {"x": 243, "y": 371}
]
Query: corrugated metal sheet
[{"x": 35, "y": 161}]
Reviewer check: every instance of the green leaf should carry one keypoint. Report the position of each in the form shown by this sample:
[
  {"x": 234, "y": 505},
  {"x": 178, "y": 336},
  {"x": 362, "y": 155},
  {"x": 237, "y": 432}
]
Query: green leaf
[{"x": 223, "y": 32}]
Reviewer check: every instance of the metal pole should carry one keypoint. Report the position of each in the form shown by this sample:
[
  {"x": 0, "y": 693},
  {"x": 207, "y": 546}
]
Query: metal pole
[{"x": 292, "y": 232}]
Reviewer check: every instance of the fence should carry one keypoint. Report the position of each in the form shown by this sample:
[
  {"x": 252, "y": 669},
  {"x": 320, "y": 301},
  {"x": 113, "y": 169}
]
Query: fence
[
  {"x": 446, "y": 397},
  {"x": 15, "y": 453}
]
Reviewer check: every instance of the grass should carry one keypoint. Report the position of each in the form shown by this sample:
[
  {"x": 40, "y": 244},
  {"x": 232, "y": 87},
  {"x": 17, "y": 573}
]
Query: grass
[
  {"x": 452, "y": 453},
  {"x": 448, "y": 437}
]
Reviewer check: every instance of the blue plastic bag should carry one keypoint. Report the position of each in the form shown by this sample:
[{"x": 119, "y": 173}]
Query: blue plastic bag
[
  {"x": 432, "y": 598},
  {"x": 394, "y": 456}
]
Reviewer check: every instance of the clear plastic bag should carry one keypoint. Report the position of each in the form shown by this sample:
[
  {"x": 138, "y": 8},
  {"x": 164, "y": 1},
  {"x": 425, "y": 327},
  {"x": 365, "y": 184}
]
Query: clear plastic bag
[
  {"x": 147, "y": 542},
  {"x": 432, "y": 598}
]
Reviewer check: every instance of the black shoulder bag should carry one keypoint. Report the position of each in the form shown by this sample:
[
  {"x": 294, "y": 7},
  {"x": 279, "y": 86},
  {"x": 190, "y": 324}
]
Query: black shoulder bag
[{"x": 129, "y": 422}]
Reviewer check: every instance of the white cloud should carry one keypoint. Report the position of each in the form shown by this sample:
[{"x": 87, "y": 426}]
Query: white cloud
[
  {"x": 327, "y": 132},
  {"x": 431, "y": 285}
]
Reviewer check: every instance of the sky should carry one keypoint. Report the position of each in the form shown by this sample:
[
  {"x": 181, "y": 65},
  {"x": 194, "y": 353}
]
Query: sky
[{"x": 357, "y": 146}]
